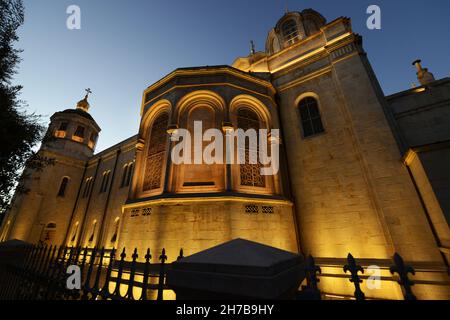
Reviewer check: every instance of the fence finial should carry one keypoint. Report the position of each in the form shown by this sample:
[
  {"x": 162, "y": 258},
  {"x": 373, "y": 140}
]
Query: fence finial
[
  {"x": 354, "y": 269},
  {"x": 403, "y": 271}
]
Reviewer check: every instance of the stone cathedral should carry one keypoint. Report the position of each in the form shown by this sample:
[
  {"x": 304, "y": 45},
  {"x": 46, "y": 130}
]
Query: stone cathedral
[{"x": 360, "y": 172}]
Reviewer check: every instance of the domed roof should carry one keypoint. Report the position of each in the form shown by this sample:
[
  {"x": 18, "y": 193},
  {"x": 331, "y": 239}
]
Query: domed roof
[
  {"x": 79, "y": 112},
  {"x": 293, "y": 27},
  {"x": 83, "y": 104}
]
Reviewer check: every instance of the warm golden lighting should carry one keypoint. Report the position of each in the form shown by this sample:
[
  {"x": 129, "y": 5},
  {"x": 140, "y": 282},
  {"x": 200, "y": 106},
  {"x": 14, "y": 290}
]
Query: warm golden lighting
[
  {"x": 172, "y": 129},
  {"x": 78, "y": 139},
  {"x": 227, "y": 126},
  {"x": 60, "y": 134},
  {"x": 419, "y": 90}
]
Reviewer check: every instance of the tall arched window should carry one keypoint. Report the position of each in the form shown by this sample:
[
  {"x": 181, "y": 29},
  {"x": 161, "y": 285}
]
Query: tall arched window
[
  {"x": 48, "y": 236},
  {"x": 124, "y": 175},
  {"x": 63, "y": 187},
  {"x": 129, "y": 174},
  {"x": 116, "y": 230},
  {"x": 310, "y": 117},
  {"x": 290, "y": 31},
  {"x": 156, "y": 153},
  {"x": 79, "y": 134},
  {"x": 105, "y": 181},
  {"x": 250, "y": 173},
  {"x": 94, "y": 227},
  {"x": 88, "y": 187},
  {"x": 74, "y": 236}
]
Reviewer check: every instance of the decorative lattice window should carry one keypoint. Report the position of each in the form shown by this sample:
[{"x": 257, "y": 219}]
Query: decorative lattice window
[
  {"x": 146, "y": 212},
  {"x": 250, "y": 173},
  {"x": 156, "y": 153},
  {"x": 267, "y": 209},
  {"x": 310, "y": 117},
  {"x": 135, "y": 212},
  {"x": 252, "y": 209}
]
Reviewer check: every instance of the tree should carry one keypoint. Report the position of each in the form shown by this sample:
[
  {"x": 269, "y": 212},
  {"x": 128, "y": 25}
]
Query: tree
[{"x": 19, "y": 131}]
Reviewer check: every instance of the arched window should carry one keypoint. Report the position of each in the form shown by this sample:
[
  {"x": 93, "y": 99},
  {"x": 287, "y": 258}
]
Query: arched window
[
  {"x": 105, "y": 181},
  {"x": 124, "y": 175},
  {"x": 310, "y": 117},
  {"x": 92, "y": 140},
  {"x": 116, "y": 231},
  {"x": 61, "y": 132},
  {"x": 290, "y": 31},
  {"x": 94, "y": 227},
  {"x": 48, "y": 236},
  {"x": 79, "y": 134},
  {"x": 250, "y": 173},
  {"x": 156, "y": 153},
  {"x": 129, "y": 174},
  {"x": 75, "y": 232},
  {"x": 63, "y": 187},
  {"x": 88, "y": 187}
]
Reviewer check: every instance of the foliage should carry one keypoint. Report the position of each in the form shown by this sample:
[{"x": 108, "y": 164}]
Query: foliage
[{"x": 19, "y": 131}]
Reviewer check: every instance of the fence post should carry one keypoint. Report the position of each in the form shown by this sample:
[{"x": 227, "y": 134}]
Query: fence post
[
  {"x": 148, "y": 256},
  {"x": 95, "y": 289},
  {"x": 311, "y": 272},
  {"x": 162, "y": 277},
  {"x": 87, "y": 286},
  {"x": 354, "y": 269},
  {"x": 104, "y": 292},
  {"x": 119, "y": 275},
  {"x": 129, "y": 294},
  {"x": 53, "y": 279},
  {"x": 404, "y": 281},
  {"x": 181, "y": 255}
]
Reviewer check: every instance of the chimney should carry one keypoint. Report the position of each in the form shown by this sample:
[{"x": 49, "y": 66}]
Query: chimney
[{"x": 423, "y": 75}]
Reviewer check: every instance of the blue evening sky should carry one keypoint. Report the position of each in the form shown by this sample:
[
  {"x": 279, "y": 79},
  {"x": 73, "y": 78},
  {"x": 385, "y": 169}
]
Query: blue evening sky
[{"x": 125, "y": 46}]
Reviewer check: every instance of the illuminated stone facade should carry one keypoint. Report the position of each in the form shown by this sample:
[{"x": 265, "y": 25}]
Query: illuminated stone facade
[{"x": 359, "y": 172}]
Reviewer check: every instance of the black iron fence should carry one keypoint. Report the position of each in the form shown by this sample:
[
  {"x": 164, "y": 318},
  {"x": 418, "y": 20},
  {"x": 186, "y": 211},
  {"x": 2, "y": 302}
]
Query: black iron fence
[{"x": 41, "y": 273}]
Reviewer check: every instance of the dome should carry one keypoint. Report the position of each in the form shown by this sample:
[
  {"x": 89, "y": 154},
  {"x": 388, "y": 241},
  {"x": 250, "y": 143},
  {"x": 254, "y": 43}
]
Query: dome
[
  {"x": 83, "y": 104},
  {"x": 293, "y": 27},
  {"x": 79, "y": 112}
]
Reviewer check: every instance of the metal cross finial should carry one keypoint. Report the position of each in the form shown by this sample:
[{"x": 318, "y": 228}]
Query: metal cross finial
[{"x": 88, "y": 92}]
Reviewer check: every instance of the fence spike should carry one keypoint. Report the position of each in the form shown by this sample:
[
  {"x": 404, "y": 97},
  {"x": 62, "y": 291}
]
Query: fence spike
[
  {"x": 129, "y": 294},
  {"x": 161, "y": 283},
  {"x": 403, "y": 270},
  {"x": 104, "y": 292},
  {"x": 181, "y": 255},
  {"x": 312, "y": 270},
  {"x": 95, "y": 290},
  {"x": 119, "y": 274},
  {"x": 354, "y": 269},
  {"x": 148, "y": 257}
]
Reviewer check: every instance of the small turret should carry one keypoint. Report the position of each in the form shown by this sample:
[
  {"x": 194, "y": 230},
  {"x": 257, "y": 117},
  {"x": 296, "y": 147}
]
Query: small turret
[{"x": 73, "y": 131}]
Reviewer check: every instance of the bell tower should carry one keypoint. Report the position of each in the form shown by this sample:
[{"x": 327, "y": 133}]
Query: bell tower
[
  {"x": 73, "y": 132},
  {"x": 43, "y": 213}
]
